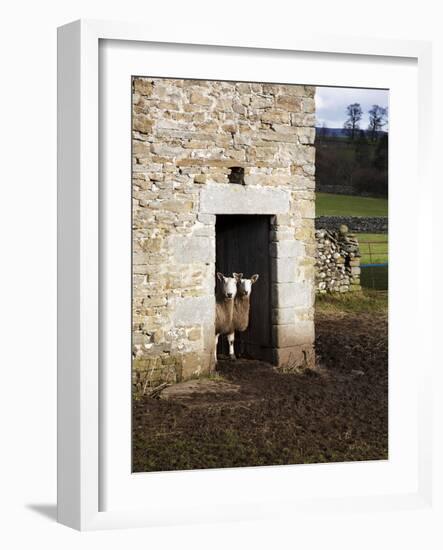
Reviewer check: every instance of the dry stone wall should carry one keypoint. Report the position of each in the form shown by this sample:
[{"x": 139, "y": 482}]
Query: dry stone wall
[
  {"x": 188, "y": 136},
  {"x": 337, "y": 261},
  {"x": 359, "y": 224}
]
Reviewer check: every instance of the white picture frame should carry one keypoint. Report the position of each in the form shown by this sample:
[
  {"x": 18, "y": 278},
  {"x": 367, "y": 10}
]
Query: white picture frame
[{"x": 80, "y": 411}]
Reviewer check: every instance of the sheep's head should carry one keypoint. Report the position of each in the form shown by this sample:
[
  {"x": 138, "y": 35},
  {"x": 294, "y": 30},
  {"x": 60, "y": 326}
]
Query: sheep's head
[
  {"x": 244, "y": 286},
  {"x": 228, "y": 286}
]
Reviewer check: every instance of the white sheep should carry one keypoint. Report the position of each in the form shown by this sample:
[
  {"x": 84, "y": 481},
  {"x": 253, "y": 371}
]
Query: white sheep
[
  {"x": 224, "y": 310},
  {"x": 242, "y": 305}
]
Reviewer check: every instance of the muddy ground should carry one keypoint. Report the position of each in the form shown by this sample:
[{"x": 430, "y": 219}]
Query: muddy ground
[{"x": 253, "y": 415}]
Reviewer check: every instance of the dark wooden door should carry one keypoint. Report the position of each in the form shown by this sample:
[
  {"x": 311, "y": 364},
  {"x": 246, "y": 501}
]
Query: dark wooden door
[{"x": 242, "y": 246}]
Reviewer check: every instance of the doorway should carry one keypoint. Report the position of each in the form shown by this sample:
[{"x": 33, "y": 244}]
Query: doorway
[{"x": 242, "y": 246}]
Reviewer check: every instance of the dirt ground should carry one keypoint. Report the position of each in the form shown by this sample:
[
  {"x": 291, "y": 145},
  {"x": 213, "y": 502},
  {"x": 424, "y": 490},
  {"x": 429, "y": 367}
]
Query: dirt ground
[{"x": 253, "y": 415}]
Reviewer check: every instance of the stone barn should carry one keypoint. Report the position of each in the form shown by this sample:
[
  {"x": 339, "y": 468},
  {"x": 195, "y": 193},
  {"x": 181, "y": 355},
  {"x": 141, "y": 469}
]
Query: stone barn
[{"x": 223, "y": 180}]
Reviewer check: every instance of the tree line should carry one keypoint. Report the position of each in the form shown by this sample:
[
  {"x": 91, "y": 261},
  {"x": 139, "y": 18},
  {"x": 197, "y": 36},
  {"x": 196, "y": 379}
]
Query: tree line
[
  {"x": 358, "y": 164},
  {"x": 378, "y": 118}
]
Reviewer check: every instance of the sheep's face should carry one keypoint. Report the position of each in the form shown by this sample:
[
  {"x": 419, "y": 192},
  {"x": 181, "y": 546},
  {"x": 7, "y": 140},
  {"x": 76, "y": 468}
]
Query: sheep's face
[
  {"x": 228, "y": 286},
  {"x": 244, "y": 286}
]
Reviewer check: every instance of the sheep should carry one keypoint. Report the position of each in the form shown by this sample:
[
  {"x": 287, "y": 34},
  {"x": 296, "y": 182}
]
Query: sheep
[
  {"x": 242, "y": 303},
  {"x": 224, "y": 310}
]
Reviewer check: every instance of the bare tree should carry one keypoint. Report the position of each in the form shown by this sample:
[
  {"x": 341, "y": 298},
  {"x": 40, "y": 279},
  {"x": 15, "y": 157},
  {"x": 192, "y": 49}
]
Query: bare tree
[
  {"x": 377, "y": 119},
  {"x": 352, "y": 124}
]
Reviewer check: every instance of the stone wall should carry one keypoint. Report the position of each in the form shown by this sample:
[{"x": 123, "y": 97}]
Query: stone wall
[
  {"x": 354, "y": 223},
  {"x": 336, "y": 189},
  {"x": 337, "y": 261},
  {"x": 188, "y": 135}
]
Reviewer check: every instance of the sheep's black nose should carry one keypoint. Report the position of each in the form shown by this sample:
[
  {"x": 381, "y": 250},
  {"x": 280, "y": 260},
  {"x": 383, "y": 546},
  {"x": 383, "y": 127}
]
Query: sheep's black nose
[{"x": 229, "y": 294}]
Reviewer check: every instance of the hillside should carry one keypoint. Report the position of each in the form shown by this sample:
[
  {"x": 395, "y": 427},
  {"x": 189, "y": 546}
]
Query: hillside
[{"x": 348, "y": 166}]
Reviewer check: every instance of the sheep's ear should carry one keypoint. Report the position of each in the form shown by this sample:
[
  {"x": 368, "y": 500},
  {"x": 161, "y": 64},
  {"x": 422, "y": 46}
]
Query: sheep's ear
[
  {"x": 238, "y": 276},
  {"x": 220, "y": 276},
  {"x": 254, "y": 278}
]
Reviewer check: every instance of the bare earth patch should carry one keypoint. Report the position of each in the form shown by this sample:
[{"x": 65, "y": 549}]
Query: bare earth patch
[
  {"x": 202, "y": 392},
  {"x": 253, "y": 415}
]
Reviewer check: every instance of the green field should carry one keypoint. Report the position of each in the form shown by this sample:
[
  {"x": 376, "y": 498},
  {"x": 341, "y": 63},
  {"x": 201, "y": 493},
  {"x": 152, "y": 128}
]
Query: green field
[
  {"x": 328, "y": 204},
  {"x": 373, "y": 248},
  {"x": 367, "y": 301}
]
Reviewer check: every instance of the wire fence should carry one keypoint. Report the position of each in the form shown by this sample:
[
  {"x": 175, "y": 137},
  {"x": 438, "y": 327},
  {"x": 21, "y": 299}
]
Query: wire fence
[
  {"x": 374, "y": 252},
  {"x": 374, "y": 264}
]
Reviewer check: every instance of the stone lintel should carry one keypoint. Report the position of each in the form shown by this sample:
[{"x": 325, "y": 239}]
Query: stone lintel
[{"x": 240, "y": 199}]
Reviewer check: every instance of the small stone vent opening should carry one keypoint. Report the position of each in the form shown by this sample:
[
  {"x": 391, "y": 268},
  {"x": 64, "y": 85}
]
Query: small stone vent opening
[
  {"x": 237, "y": 175},
  {"x": 242, "y": 246}
]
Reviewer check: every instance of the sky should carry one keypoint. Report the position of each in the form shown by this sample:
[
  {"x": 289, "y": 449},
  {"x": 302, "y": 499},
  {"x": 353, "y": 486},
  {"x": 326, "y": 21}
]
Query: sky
[{"x": 331, "y": 104}]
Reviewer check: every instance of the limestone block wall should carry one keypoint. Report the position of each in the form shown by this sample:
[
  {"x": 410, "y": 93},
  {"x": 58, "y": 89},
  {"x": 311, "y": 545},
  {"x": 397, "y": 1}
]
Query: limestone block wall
[{"x": 188, "y": 135}]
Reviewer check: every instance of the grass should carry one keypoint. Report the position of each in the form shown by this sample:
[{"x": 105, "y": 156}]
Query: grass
[
  {"x": 373, "y": 248},
  {"x": 329, "y": 204},
  {"x": 366, "y": 301}
]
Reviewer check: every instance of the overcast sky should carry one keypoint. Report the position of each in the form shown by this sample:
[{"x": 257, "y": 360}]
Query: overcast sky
[{"x": 331, "y": 104}]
